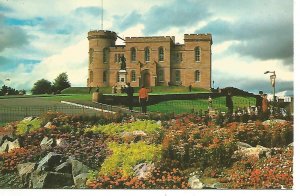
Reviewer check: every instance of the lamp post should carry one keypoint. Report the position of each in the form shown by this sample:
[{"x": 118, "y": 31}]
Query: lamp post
[{"x": 272, "y": 79}]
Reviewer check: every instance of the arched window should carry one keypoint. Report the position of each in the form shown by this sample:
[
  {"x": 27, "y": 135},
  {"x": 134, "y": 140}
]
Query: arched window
[
  {"x": 91, "y": 76},
  {"x": 147, "y": 54},
  {"x": 105, "y": 55},
  {"x": 177, "y": 76},
  {"x": 161, "y": 54},
  {"x": 197, "y": 54},
  {"x": 104, "y": 76},
  {"x": 133, "y": 76},
  {"x": 197, "y": 76},
  {"x": 91, "y": 53},
  {"x": 133, "y": 54},
  {"x": 160, "y": 75}
]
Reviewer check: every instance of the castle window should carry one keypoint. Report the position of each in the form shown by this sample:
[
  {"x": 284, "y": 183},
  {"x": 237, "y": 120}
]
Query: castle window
[
  {"x": 160, "y": 75},
  {"x": 105, "y": 55},
  {"x": 179, "y": 57},
  {"x": 197, "y": 76},
  {"x": 197, "y": 54},
  {"x": 133, "y": 54},
  {"x": 133, "y": 76},
  {"x": 104, "y": 76},
  {"x": 91, "y": 76},
  {"x": 91, "y": 53},
  {"x": 161, "y": 54},
  {"x": 177, "y": 76},
  {"x": 147, "y": 54},
  {"x": 116, "y": 58}
]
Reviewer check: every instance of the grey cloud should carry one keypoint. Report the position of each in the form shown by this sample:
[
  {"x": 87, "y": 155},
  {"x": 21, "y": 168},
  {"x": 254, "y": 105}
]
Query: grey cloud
[
  {"x": 264, "y": 40},
  {"x": 11, "y": 36},
  {"x": 127, "y": 21},
  {"x": 172, "y": 14}
]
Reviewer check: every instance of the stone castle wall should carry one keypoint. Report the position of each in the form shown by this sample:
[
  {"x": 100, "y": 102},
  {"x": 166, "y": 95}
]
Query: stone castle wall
[{"x": 178, "y": 65}]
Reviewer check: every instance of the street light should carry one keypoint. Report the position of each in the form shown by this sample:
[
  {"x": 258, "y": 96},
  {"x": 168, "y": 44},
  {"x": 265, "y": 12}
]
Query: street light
[{"x": 272, "y": 79}]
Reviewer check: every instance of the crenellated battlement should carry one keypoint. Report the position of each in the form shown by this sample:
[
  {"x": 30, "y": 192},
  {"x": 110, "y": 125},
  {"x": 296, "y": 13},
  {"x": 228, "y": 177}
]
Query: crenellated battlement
[
  {"x": 200, "y": 37},
  {"x": 104, "y": 34},
  {"x": 151, "y": 39}
]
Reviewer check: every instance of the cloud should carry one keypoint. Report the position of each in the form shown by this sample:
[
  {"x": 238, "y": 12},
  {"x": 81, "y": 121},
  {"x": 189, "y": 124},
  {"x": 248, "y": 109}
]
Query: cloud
[
  {"x": 260, "y": 41},
  {"x": 126, "y": 21},
  {"x": 11, "y": 36},
  {"x": 90, "y": 10},
  {"x": 163, "y": 17}
]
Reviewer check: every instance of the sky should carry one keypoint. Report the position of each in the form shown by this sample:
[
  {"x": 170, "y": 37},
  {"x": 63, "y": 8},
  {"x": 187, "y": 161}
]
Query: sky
[{"x": 42, "y": 38}]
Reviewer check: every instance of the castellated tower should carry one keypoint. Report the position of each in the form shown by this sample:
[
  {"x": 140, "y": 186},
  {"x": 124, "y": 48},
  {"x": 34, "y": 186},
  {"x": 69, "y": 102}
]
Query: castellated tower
[{"x": 100, "y": 42}]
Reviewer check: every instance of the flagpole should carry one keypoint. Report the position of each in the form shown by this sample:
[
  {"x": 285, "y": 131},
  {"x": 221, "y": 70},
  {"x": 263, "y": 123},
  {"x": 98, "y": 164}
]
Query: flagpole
[{"x": 102, "y": 14}]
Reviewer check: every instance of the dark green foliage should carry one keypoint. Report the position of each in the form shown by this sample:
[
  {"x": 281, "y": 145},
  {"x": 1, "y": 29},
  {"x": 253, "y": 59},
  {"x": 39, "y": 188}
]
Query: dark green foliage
[
  {"x": 61, "y": 82},
  {"x": 42, "y": 86}
]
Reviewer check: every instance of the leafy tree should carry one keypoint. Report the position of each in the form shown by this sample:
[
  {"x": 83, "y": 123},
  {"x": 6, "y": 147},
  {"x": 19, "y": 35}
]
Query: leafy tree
[
  {"x": 61, "y": 82},
  {"x": 6, "y": 90},
  {"x": 42, "y": 87}
]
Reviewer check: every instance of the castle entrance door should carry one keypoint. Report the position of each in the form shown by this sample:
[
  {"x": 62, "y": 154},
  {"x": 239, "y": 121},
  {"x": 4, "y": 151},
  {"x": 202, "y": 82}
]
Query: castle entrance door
[{"x": 146, "y": 78}]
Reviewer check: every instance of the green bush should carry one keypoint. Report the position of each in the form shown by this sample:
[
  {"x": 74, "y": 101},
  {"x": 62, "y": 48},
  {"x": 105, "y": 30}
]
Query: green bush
[
  {"x": 149, "y": 127},
  {"x": 27, "y": 125},
  {"x": 125, "y": 156}
]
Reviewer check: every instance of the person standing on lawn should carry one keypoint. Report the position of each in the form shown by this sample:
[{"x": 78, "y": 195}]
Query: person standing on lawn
[
  {"x": 229, "y": 103},
  {"x": 143, "y": 99},
  {"x": 129, "y": 90}
]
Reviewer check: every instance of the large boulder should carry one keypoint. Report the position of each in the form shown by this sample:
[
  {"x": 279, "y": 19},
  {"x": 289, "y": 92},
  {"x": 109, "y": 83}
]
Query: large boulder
[
  {"x": 62, "y": 143},
  {"x": 65, "y": 167},
  {"x": 258, "y": 152},
  {"x": 143, "y": 170},
  {"x": 274, "y": 121},
  {"x": 48, "y": 125},
  {"x": 78, "y": 167},
  {"x": 79, "y": 172},
  {"x": 13, "y": 145},
  {"x": 195, "y": 183},
  {"x": 46, "y": 143},
  {"x": 50, "y": 161},
  {"x": 8, "y": 146},
  {"x": 243, "y": 145},
  {"x": 42, "y": 179},
  {"x": 24, "y": 171},
  {"x": 80, "y": 180}
]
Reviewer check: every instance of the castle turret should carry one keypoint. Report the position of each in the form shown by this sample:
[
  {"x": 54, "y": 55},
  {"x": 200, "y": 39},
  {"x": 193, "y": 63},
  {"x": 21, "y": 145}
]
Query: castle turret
[{"x": 99, "y": 43}]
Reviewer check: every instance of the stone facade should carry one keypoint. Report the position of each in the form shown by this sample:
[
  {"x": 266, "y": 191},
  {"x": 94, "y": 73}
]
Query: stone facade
[{"x": 150, "y": 61}]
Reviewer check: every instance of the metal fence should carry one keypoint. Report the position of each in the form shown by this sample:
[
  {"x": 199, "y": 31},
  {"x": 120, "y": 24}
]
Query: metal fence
[{"x": 9, "y": 114}]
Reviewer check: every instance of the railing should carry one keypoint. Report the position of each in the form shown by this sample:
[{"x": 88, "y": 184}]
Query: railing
[{"x": 14, "y": 113}]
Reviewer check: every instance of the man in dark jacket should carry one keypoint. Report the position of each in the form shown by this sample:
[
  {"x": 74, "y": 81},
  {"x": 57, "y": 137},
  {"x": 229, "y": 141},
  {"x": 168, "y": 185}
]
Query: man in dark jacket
[
  {"x": 229, "y": 103},
  {"x": 129, "y": 90}
]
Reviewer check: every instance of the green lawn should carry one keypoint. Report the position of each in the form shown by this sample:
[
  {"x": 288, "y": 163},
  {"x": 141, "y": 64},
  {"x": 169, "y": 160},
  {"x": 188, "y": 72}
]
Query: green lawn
[
  {"x": 186, "y": 106},
  {"x": 154, "y": 90}
]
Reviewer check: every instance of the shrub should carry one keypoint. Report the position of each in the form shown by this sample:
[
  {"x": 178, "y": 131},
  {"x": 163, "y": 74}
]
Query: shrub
[
  {"x": 172, "y": 178},
  {"x": 273, "y": 135},
  {"x": 268, "y": 173},
  {"x": 28, "y": 125},
  {"x": 199, "y": 146},
  {"x": 149, "y": 127},
  {"x": 125, "y": 156}
]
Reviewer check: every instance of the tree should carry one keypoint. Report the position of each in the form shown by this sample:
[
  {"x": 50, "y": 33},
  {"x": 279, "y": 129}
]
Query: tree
[
  {"x": 42, "y": 87},
  {"x": 61, "y": 82},
  {"x": 6, "y": 90}
]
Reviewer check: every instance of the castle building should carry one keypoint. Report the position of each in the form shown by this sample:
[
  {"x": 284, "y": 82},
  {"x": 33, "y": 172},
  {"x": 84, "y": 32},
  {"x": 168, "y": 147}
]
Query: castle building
[{"x": 149, "y": 61}]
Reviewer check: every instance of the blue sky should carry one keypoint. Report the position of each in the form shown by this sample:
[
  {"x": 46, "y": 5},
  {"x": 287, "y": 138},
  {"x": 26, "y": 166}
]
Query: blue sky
[{"x": 39, "y": 39}]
